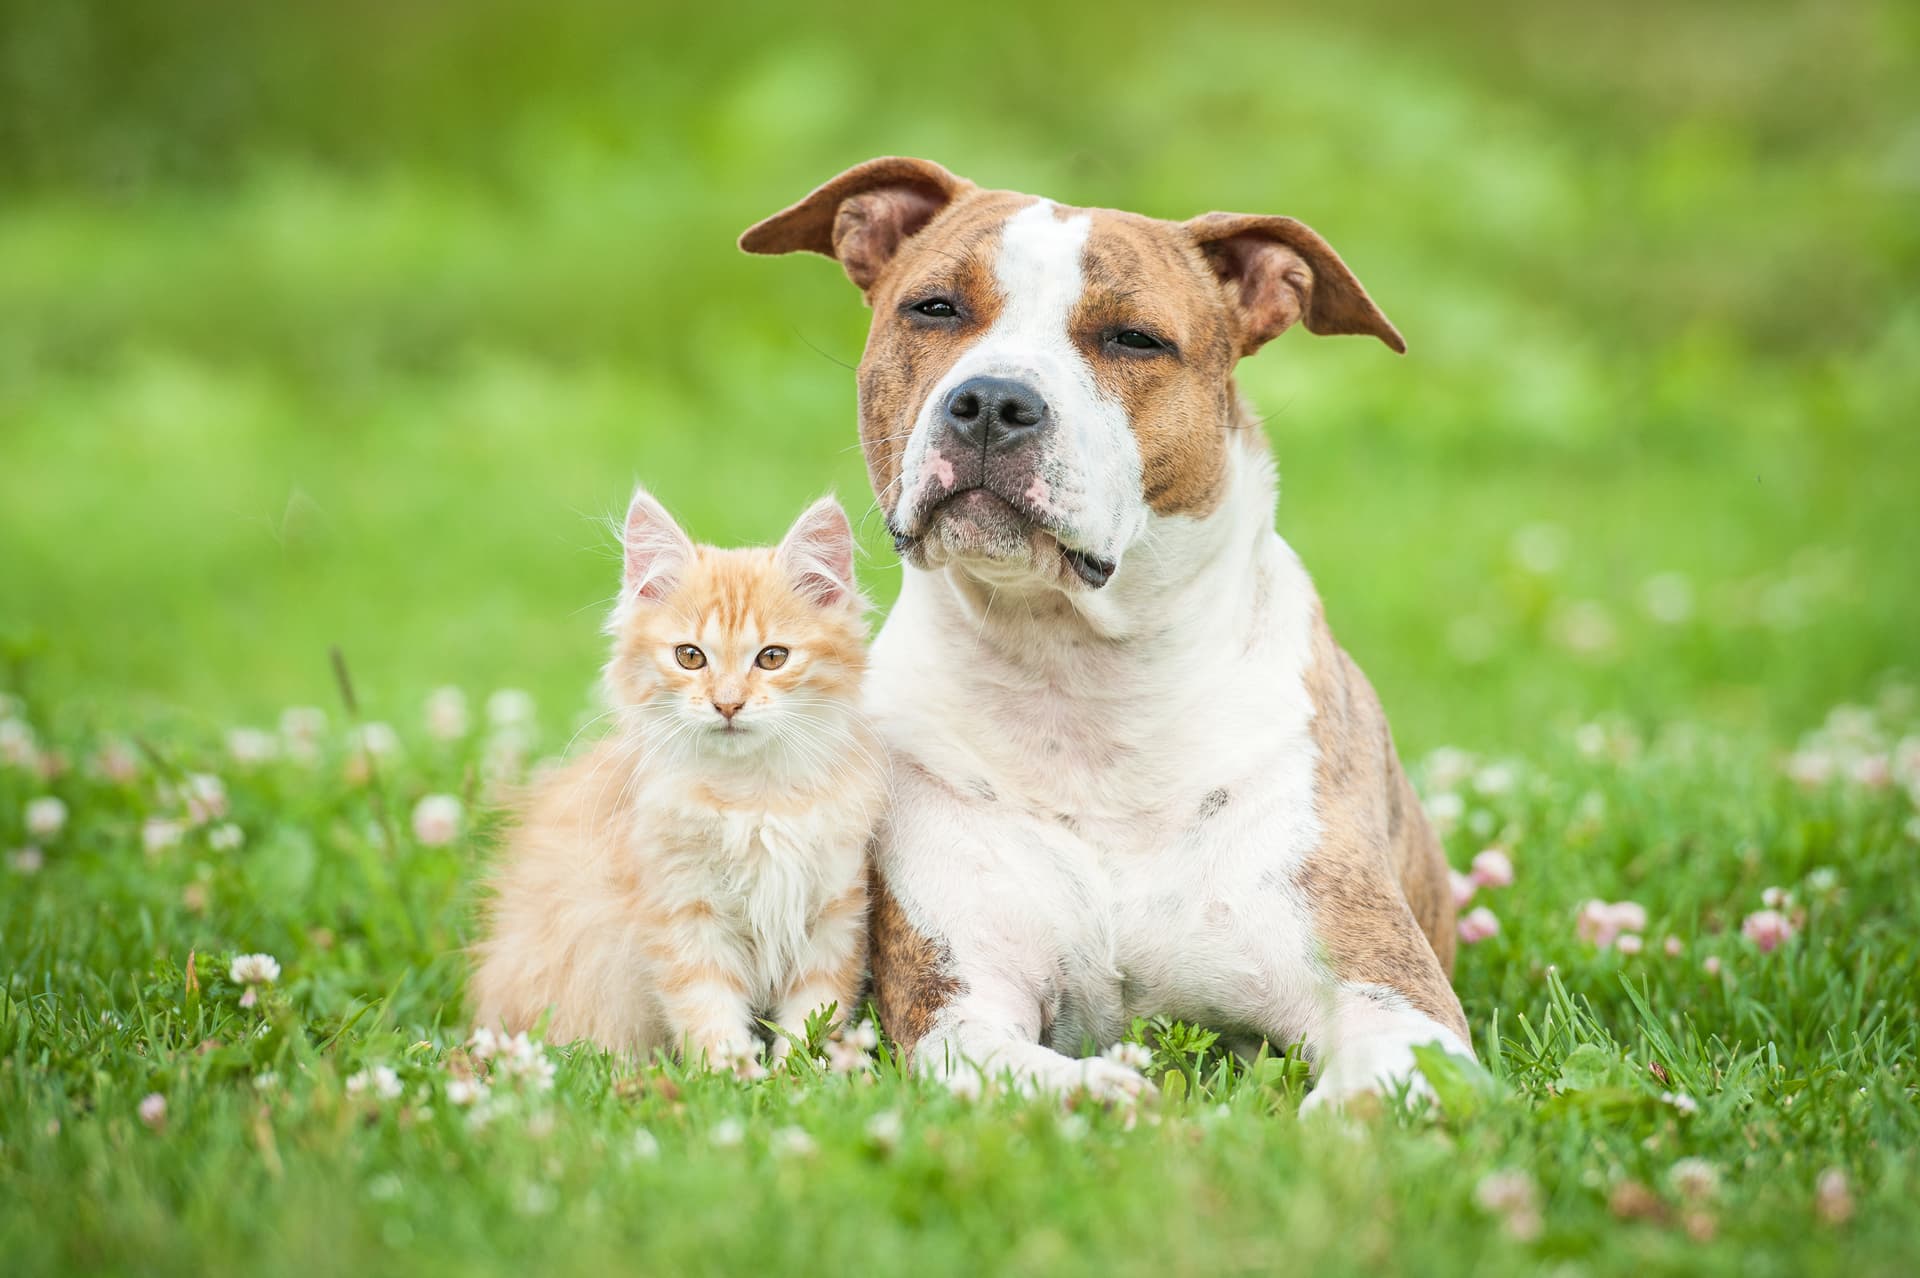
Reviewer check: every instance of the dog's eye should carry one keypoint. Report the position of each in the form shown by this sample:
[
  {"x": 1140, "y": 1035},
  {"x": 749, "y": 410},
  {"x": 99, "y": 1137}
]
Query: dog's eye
[
  {"x": 771, "y": 658},
  {"x": 935, "y": 308},
  {"x": 1135, "y": 340},
  {"x": 689, "y": 657}
]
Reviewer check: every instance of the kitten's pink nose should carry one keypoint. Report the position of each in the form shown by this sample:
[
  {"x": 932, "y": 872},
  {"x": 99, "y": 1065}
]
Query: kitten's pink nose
[{"x": 728, "y": 709}]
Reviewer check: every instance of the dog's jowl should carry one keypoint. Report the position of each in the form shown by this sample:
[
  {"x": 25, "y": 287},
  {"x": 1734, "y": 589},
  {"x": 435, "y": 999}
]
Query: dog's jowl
[{"x": 1134, "y": 772}]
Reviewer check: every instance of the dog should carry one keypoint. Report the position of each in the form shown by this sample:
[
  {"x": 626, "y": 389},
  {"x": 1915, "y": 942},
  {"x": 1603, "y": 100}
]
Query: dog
[{"x": 1134, "y": 774}]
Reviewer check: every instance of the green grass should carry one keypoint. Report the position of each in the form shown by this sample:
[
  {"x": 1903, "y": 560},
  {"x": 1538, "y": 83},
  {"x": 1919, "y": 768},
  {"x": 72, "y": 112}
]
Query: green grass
[{"x": 348, "y": 324}]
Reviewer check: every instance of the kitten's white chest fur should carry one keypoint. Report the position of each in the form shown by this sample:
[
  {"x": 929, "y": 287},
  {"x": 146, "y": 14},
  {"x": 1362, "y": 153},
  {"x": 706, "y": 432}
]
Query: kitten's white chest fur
[{"x": 769, "y": 876}]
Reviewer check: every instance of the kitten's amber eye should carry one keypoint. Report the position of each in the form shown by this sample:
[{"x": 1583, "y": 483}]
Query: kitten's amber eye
[
  {"x": 689, "y": 657},
  {"x": 771, "y": 658}
]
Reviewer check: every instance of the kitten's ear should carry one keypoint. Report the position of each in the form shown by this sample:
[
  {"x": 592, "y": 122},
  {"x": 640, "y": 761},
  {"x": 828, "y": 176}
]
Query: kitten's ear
[
  {"x": 657, "y": 552},
  {"x": 817, "y": 553}
]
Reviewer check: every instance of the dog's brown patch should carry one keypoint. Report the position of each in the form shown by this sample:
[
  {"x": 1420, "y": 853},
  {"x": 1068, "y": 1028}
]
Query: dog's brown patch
[
  {"x": 904, "y": 360},
  {"x": 1146, "y": 274},
  {"x": 912, "y": 974},
  {"x": 1377, "y": 885}
]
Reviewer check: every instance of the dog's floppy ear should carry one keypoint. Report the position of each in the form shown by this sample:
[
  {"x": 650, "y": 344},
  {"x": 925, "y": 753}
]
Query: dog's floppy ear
[
  {"x": 1278, "y": 271},
  {"x": 862, "y": 216}
]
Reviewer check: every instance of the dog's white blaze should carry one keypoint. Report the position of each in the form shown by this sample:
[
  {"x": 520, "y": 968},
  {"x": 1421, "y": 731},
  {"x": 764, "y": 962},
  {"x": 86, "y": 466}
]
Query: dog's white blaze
[{"x": 1091, "y": 463}]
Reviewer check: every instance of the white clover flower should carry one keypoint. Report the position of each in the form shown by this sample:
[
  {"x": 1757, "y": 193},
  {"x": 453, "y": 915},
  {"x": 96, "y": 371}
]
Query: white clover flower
[
  {"x": 1447, "y": 767},
  {"x": 1833, "y": 1197},
  {"x": 865, "y": 1036},
  {"x": 1585, "y": 627},
  {"x": 1823, "y": 879},
  {"x": 436, "y": 820},
  {"x": 885, "y": 1129},
  {"x": 46, "y": 816},
  {"x": 1694, "y": 1179},
  {"x": 510, "y": 708},
  {"x": 645, "y": 1145},
  {"x": 521, "y": 1060},
  {"x": 265, "y": 1081},
  {"x": 446, "y": 714},
  {"x": 153, "y": 1110},
  {"x": 727, "y": 1133},
  {"x": 791, "y": 1142},
  {"x": 379, "y": 1081},
  {"x": 1132, "y": 1056},
  {"x": 485, "y": 1042},
  {"x": 374, "y": 740},
  {"x": 252, "y": 747},
  {"x": 17, "y": 748},
  {"x": 1682, "y": 1102},
  {"x": 206, "y": 798},
  {"x": 158, "y": 834},
  {"x": 303, "y": 723},
  {"x": 1590, "y": 739},
  {"x": 254, "y": 969},
  {"x": 226, "y": 837},
  {"x": 844, "y": 1057},
  {"x": 465, "y": 1091},
  {"x": 27, "y": 860},
  {"x": 1445, "y": 809},
  {"x": 1073, "y": 1127},
  {"x": 1496, "y": 779}
]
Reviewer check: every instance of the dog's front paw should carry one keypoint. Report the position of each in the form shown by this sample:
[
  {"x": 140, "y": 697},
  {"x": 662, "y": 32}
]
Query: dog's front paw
[
  {"x": 1369, "y": 1069},
  {"x": 1108, "y": 1081}
]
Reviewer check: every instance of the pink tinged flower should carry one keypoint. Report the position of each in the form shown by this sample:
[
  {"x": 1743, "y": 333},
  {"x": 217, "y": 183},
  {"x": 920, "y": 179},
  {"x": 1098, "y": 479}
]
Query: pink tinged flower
[
  {"x": 27, "y": 860},
  {"x": 1514, "y": 1198},
  {"x": 206, "y": 798},
  {"x": 117, "y": 762},
  {"x": 376, "y": 739},
  {"x": 251, "y": 997},
  {"x": 1478, "y": 925},
  {"x": 159, "y": 833},
  {"x": 1492, "y": 869},
  {"x": 1463, "y": 888},
  {"x": 1872, "y": 771},
  {"x": 1629, "y": 943},
  {"x": 436, "y": 820},
  {"x": 153, "y": 1110},
  {"x": 1712, "y": 965},
  {"x": 1768, "y": 929},
  {"x": 1674, "y": 947},
  {"x": 46, "y": 816},
  {"x": 1601, "y": 923},
  {"x": 51, "y": 766},
  {"x": 1833, "y": 1197},
  {"x": 446, "y": 714}
]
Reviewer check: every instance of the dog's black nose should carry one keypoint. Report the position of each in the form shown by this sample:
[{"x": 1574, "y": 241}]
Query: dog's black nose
[{"x": 994, "y": 412}]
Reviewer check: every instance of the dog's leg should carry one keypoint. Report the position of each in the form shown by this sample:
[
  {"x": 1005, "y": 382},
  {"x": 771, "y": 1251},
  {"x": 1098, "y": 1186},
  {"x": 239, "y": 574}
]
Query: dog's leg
[
  {"x": 1383, "y": 993},
  {"x": 985, "y": 1036}
]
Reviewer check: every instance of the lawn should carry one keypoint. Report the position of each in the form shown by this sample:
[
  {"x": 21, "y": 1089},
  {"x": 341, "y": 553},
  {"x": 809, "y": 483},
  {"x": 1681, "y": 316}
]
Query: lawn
[{"x": 343, "y": 328}]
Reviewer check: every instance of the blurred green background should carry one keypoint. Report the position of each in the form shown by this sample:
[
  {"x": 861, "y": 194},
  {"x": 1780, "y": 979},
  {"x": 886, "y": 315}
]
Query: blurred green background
[{"x": 351, "y": 322}]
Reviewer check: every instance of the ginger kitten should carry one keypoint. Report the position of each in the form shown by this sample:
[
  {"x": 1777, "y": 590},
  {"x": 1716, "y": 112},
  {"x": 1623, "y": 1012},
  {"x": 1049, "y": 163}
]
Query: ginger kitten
[{"x": 705, "y": 865}]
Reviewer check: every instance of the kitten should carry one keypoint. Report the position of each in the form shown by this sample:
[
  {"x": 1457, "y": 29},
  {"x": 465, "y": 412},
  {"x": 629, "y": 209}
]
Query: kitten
[{"x": 705, "y": 865}]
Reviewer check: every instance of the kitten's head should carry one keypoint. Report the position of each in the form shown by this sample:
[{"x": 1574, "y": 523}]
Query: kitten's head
[{"x": 737, "y": 652}]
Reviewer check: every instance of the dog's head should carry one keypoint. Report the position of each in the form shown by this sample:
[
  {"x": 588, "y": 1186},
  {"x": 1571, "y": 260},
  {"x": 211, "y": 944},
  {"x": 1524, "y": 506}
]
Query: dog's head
[{"x": 1041, "y": 381}]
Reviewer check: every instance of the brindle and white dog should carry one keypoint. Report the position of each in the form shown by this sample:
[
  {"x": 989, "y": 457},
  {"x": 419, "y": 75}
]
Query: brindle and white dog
[{"x": 1134, "y": 772}]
